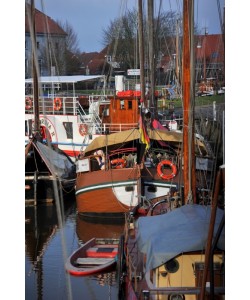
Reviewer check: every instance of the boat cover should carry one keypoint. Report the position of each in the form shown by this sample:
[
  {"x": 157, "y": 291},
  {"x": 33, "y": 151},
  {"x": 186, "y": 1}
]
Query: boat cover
[
  {"x": 184, "y": 229},
  {"x": 58, "y": 164},
  {"x": 133, "y": 134}
]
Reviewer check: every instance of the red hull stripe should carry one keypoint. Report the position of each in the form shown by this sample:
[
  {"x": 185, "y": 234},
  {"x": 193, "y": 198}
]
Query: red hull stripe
[{"x": 72, "y": 153}]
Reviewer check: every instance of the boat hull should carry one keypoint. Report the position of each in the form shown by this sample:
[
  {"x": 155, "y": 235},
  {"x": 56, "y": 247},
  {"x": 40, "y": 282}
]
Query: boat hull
[
  {"x": 114, "y": 192},
  {"x": 101, "y": 192}
]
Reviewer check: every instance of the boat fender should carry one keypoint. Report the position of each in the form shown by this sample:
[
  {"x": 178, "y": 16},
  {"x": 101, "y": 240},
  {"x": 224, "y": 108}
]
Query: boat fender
[
  {"x": 100, "y": 158},
  {"x": 166, "y": 163},
  {"x": 119, "y": 162},
  {"x": 28, "y": 103},
  {"x": 57, "y": 104}
]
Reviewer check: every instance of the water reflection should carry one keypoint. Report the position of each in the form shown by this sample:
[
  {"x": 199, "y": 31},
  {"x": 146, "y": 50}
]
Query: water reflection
[
  {"x": 45, "y": 275},
  {"x": 87, "y": 228}
]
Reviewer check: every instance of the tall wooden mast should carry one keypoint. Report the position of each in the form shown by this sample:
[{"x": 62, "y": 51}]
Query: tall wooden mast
[
  {"x": 153, "y": 102},
  {"x": 188, "y": 103},
  {"x": 34, "y": 71},
  {"x": 141, "y": 51}
]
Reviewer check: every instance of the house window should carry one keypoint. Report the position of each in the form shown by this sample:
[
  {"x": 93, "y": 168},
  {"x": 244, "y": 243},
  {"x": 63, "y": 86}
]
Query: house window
[
  {"x": 214, "y": 55},
  {"x": 69, "y": 129},
  {"x": 130, "y": 106}
]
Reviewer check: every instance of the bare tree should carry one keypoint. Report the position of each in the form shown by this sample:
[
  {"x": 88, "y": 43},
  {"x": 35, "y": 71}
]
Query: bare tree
[{"x": 72, "y": 51}]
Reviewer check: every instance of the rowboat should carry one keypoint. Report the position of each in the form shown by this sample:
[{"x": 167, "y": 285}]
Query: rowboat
[{"x": 95, "y": 256}]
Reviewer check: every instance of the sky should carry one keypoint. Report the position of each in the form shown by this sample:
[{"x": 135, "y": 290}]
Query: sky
[{"x": 88, "y": 18}]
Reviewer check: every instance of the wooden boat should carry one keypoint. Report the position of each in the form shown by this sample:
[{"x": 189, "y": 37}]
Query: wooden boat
[
  {"x": 112, "y": 190},
  {"x": 95, "y": 256}
]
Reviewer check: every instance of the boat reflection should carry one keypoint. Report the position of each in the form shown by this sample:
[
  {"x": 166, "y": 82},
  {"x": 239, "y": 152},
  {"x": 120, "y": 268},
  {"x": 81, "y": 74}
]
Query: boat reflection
[{"x": 87, "y": 228}]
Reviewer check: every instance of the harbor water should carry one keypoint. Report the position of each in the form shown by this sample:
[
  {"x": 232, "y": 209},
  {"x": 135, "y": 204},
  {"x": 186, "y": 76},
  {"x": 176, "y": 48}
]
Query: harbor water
[{"x": 51, "y": 235}]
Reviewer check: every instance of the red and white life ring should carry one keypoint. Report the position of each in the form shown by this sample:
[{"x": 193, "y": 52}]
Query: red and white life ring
[
  {"x": 119, "y": 162},
  {"x": 166, "y": 163},
  {"x": 83, "y": 129},
  {"x": 57, "y": 104},
  {"x": 28, "y": 103}
]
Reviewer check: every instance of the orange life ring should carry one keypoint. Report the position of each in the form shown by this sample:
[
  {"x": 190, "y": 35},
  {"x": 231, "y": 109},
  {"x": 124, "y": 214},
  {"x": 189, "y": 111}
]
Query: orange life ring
[
  {"x": 166, "y": 163},
  {"x": 28, "y": 103},
  {"x": 120, "y": 163},
  {"x": 83, "y": 129},
  {"x": 57, "y": 104}
]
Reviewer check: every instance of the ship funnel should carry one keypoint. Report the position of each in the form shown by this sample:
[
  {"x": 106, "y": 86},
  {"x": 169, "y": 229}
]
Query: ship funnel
[{"x": 119, "y": 83}]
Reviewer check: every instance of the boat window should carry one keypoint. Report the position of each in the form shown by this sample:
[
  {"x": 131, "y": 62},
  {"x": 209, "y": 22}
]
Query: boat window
[
  {"x": 152, "y": 189},
  {"x": 69, "y": 129},
  {"x": 28, "y": 127},
  {"x": 129, "y": 188},
  {"x": 172, "y": 266},
  {"x": 130, "y": 106},
  {"x": 122, "y": 104}
]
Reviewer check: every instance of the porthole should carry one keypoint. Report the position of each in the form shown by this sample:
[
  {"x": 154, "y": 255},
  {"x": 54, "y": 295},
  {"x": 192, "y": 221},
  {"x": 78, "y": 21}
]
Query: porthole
[
  {"x": 129, "y": 188},
  {"x": 172, "y": 266},
  {"x": 176, "y": 297}
]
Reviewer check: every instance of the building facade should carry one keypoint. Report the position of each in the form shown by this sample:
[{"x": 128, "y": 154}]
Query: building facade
[{"x": 50, "y": 45}]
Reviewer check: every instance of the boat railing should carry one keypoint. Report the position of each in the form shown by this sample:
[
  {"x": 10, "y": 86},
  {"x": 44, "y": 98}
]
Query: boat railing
[{"x": 53, "y": 105}]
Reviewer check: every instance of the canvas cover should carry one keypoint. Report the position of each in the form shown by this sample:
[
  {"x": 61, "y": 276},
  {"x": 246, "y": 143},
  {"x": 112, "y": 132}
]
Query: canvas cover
[
  {"x": 58, "y": 164},
  {"x": 184, "y": 229},
  {"x": 133, "y": 134}
]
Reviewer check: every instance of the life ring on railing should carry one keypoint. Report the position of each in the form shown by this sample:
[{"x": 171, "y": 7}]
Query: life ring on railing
[
  {"x": 119, "y": 162},
  {"x": 166, "y": 163},
  {"x": 28, "y": 103},
  {"x": 100, "y": 159},
  {"x": 57, "y": 104},
  {"x": 83, "y": 129}
]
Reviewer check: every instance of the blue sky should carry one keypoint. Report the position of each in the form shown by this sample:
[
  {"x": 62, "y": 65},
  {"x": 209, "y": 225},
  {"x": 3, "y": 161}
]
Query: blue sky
[{"x": 88, "y": 18}]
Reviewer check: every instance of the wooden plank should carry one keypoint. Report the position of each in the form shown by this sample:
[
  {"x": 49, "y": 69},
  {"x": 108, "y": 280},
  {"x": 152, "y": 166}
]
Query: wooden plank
[{"x": 93, "y": 260}]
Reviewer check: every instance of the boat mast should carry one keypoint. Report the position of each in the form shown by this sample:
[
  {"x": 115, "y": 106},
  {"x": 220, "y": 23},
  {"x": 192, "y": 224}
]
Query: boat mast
[
  {"x": 153, "y": 102},
  {"x": 188, "y": 103},
  {"x": 36, "y": 131},
  {"x": 141, "y": 51}
]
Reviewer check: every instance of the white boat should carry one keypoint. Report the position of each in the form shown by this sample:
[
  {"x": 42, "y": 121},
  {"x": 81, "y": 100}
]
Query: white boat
[{"x": 63, "y": 119}]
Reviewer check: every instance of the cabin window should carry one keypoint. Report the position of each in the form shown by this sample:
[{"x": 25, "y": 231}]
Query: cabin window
[
  {"x": 106, "y": 112},
  {"x": 28, "y": 127},
  {"x": 122, "y": 104},
  {"x": 130, "y": 106},
  {"x": 69, "y": 129},
  {"x": 152, "y": 189}
]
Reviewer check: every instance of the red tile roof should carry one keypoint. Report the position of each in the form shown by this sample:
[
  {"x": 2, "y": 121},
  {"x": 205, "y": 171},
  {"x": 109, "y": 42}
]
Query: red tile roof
[
  {"x": 40, "y": 22},
  {"x": 212, "y": 45}
]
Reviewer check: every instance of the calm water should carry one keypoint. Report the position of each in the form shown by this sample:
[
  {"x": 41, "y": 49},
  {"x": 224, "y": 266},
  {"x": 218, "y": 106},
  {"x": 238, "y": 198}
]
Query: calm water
[{"x": 47, "y": 247}]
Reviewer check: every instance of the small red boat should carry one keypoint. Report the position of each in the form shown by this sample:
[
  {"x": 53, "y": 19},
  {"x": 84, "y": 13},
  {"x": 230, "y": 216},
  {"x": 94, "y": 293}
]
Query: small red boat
[{"x": 95, "y": 256}]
